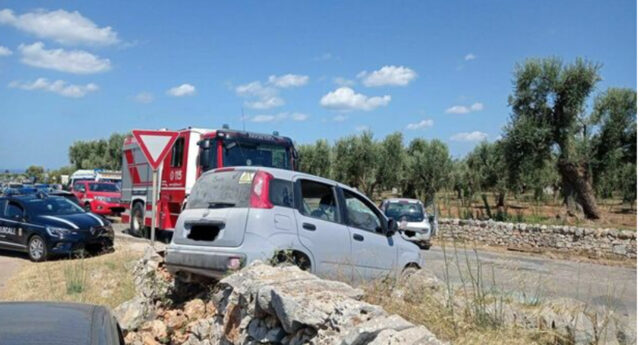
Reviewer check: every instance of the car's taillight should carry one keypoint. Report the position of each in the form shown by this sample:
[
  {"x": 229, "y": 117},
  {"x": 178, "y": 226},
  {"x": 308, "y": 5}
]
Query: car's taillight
[{"x": 260, "y": 190}]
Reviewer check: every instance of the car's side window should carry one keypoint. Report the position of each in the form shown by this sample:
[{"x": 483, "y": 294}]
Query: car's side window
[
  {"x": 13, "y": 210},
  {"x": 79, "y": 187},
  {"x": 360, "y": 214},
  {"x": 281, "y": 192},
  {"x": 318, "y": 200}
]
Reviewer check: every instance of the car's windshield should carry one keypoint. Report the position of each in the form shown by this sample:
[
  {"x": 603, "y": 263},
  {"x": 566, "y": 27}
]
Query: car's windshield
[
  {"x": 222, "y": 190},
  {"x": 239, "y": 153},
  {"x": 103, "y": 187},
  {"x": 403, "y": 210},
  {"x": 53, "y": 205}
]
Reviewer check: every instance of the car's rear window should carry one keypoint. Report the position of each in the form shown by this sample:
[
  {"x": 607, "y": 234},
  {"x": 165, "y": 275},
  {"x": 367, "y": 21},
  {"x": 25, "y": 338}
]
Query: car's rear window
[
  {"x": 221, "y": 190},
  {"x": 402, "y": 210}
]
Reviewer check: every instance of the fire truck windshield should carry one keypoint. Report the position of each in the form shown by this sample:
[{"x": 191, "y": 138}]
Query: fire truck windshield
[{"x": 239, "y": 153}]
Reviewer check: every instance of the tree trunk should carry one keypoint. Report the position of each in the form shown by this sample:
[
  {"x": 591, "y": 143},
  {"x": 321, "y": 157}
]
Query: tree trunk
[
  {"x": 576, "y": 185},
  {"x": 487, "y": 208},
  {"x": 500, "y": 199}
]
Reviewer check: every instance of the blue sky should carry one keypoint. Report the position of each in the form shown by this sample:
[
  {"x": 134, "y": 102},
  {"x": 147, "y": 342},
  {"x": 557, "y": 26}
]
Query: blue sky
[{"x": 78, "y": 70}]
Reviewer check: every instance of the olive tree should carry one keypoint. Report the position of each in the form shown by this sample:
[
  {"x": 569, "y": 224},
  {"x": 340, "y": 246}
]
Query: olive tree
[{"x": 547, "y": 105}]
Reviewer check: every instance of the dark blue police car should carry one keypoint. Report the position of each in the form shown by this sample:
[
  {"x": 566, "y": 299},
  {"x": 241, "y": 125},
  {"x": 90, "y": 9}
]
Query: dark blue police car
[{"x": 45, "y": 226}]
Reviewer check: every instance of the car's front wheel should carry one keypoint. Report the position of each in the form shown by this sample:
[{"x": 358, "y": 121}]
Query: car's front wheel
[{"x": 37, "y": 249}]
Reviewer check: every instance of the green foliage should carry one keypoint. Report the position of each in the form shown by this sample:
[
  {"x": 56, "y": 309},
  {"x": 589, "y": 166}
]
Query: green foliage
[
  {"x": 98, "y": 154},
  {"x": 429, "y": 164},
  {"x": 36, "y": 173},
  {"x": 315, "y": 159},
  {"x": 614, "y": 144},
  {"x": 55, "y": 175},
  {"x": 355, "y": 161}
]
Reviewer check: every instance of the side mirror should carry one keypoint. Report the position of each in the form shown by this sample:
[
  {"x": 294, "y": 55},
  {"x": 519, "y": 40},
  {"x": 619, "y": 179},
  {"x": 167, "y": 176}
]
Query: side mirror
[
  {"x": 18, "y": 218},
  {"x": 431, "y": 218},
  {"x": 392, "y": 227}
]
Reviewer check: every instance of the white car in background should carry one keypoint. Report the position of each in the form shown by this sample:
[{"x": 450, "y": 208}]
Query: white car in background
[{"x": 415, "y": 224}]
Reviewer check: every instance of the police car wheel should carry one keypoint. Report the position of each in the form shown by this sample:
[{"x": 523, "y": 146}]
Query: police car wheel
[{"x": 37, "y": 249}]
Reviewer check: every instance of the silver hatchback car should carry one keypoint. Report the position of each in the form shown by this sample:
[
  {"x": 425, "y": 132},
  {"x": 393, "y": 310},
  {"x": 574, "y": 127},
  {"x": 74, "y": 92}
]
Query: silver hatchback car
[
  {"x": 237, "y": 215},
  {"x": 414, "y": 223}
]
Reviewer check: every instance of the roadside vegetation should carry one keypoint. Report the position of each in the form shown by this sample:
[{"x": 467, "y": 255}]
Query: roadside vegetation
[
  {"x": 478, "y": 309},
  {"x": 105, "y": 279},
  {"x": 555, "y": 161}
]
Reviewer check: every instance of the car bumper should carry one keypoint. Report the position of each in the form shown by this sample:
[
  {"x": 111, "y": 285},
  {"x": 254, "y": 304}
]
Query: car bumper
[
  {"x": 80, "y": 243},
  {"x": 106, "y": 208},
  {"x": 213, "y": 264}
]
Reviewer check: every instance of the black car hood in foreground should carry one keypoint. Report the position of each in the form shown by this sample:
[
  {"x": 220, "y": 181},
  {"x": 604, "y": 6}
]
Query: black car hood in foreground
[
  {"x": 75, "y": 221},
  {"x": 40, "y": 323}
]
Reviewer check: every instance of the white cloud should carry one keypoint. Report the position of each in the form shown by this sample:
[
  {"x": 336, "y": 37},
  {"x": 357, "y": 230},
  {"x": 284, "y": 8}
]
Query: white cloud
[
  {"x": 4, "y": 51},
  {"x": 262, "y": 118},
  {"x": 470, "y": 136},
  {"x": 469, "y": 57},
  {"x": 60, "y": 87},
  {"x": 299, "y": 117},
  {"x": 144, "y": 97},
  {"x": 267, "y": 96},
  {"x": 420, "y": 125},
  {"x": 182, "y": 90},
  {"x": 339, "y": 118},
  {"x": 463, "y": 109},
  {"x": 388, "y": 75},
  {"x": 362, "y": 128},
  {"x": 259, "y": 96},
  {"x": 288, "y": 80},
  {"x": 61, "y": 26},
  {"x": 266, "y": 102},
  {"x": 72, "y": 61},
  {"x": 324, "y": 57},
  {"x": 345, "y": 99},
  {"x": 340, "y": 81}
]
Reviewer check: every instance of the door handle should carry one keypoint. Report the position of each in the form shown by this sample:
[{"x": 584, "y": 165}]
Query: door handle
[
  {"x": 309, "y": 226},
  {"x": 358, "y": 237}
]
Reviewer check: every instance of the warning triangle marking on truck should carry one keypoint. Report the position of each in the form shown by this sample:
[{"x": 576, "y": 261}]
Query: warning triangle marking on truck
[{"x": 155, "y": 145}]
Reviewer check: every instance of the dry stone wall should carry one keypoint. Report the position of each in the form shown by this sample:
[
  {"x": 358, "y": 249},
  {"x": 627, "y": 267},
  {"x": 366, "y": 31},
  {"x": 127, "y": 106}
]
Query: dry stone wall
[{"x": 611, "y": 243}]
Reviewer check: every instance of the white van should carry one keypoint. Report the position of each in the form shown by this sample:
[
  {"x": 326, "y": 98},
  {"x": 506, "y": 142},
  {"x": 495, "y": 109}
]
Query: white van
[{"x": 237, "y": 215}]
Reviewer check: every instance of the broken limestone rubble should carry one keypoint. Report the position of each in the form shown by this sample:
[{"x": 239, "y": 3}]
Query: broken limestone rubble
[{"x": 260, "y": 304}]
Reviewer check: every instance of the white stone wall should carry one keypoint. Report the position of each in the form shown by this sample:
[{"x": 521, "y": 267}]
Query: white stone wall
[{"x": 574, "y": 239}]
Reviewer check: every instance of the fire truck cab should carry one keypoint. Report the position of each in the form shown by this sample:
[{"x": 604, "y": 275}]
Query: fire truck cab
[{"x": 195, "y": 151}]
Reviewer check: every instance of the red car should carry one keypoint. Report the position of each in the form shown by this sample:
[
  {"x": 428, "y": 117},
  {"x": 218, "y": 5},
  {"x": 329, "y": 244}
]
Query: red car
[{"x": 99, "y": 197}]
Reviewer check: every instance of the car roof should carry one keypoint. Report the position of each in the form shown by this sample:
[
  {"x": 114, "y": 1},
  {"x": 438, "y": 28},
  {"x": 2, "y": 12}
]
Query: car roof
[
  {"x": 286, "y": 174},
  {"x": 50, "y": 323},
  {"x": 411, "y": 201}
]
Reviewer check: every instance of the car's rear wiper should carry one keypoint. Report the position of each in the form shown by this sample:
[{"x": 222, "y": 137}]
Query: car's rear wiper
[{"x": 218, "y": 204}]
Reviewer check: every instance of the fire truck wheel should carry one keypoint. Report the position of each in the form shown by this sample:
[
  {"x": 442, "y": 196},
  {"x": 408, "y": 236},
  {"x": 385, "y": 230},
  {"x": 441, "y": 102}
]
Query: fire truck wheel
[
  {"x": 87, "y": 207},
  {"x": 136, "y": 224}
]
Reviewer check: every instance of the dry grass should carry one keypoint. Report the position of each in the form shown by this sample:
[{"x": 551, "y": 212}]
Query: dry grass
[{"x": 104, "y": 280}]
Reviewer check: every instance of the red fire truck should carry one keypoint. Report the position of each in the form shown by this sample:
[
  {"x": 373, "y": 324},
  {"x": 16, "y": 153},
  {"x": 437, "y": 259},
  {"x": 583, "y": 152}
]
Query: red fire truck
[{"x": 195, "y": 151}]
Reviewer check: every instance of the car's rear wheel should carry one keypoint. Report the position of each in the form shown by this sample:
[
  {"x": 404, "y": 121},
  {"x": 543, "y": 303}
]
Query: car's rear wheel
[
  {"x": 136, "y": 224},
  {"x": 37, "y": 249}
]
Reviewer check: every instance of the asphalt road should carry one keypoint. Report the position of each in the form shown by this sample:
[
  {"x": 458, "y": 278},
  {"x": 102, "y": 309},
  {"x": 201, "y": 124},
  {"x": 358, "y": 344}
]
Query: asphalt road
[{"x": 530, "y": 276}]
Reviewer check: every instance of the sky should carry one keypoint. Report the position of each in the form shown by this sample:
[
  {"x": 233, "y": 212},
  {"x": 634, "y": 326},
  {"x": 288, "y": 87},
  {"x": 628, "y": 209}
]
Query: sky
[{"x": 81, "y": 70}]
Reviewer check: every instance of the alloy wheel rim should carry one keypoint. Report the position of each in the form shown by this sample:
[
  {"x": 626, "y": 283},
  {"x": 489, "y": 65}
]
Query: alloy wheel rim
[{"x": 37, "y": 248}]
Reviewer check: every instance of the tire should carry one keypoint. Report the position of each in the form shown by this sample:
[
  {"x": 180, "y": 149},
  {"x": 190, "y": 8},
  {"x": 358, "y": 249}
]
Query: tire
[
  {"x": 136, "y": 223},
  {"x": 407, "y": 272},
  {"x": 87, "y": 207},
  {"x": 37, "y": 249}
]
